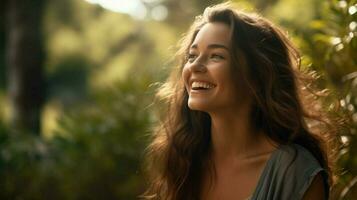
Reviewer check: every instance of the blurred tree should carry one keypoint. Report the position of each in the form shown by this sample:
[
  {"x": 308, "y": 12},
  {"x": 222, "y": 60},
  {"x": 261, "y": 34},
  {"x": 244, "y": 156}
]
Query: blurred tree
[
  {"x": 182, "y": 13},
  {"x": 2, "y": 44},
  {"x": 25, "y": 56},
  {"x": 263, "y": 5}
]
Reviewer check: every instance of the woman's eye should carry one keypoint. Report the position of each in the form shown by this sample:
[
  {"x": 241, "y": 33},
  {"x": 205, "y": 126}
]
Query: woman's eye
[
  {"x": 217, "y": 57},
  {"x": 191, "y": 57}
]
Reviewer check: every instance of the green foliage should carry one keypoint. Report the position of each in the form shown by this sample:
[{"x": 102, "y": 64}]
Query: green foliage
[
  {"x": 101, "y": 142},
  {"x": 95, "y": 154}
]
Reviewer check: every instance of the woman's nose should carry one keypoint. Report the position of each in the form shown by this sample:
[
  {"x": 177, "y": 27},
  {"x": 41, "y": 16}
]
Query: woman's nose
[{"x": 199, "y": 65}]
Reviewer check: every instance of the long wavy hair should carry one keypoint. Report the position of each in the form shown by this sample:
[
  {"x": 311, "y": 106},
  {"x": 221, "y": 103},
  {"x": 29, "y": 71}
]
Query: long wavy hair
[{"x": 286, "y": 105}]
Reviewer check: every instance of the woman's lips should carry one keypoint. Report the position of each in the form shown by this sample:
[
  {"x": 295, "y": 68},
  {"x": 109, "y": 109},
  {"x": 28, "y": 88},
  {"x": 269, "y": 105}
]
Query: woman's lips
[{"x": 201, "y": 85}]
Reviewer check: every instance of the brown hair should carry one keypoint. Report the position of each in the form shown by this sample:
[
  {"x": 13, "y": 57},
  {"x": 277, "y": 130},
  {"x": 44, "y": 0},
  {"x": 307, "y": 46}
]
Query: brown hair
[{"x": 270, "y": 65}]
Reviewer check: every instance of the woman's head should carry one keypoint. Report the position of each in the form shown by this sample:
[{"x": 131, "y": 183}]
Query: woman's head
[
  {"x": 228, "y": 59},
  {"x": 207, "y": 71},
  {"x": 257, "y": 58}
]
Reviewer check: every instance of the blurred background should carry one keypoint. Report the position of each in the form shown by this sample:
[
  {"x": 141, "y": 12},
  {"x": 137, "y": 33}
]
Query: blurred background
[{"x": 78, "y": 77}]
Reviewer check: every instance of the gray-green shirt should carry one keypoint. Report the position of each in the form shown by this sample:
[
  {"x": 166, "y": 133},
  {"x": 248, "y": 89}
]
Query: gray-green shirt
[{"x": 288, "y": 174}]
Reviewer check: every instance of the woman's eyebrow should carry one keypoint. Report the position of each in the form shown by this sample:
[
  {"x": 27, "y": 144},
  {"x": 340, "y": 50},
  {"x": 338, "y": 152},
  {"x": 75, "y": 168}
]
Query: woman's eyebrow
[{"x": 211, "y": 46}]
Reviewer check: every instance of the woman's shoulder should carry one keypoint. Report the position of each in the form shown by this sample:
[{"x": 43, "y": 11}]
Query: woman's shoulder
[
  {"x": 288, "y": 174},
  {"x": 296, "y": 155},
  {"x": 296, "y": 161},
  {"x": 291, "y": 171}
]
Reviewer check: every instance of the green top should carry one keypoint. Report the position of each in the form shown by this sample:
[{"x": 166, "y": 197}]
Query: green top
[{"x": 288, "y": 174}]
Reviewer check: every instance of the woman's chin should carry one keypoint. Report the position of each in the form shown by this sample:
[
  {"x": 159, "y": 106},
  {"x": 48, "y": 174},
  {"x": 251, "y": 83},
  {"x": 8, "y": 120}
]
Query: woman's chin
[{"x": 199, "y": 106}]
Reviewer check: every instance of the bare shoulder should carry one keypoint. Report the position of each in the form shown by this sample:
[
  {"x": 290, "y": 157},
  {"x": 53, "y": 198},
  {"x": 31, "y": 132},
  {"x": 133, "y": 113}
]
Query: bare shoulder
[{"x": 316, "y": 189}]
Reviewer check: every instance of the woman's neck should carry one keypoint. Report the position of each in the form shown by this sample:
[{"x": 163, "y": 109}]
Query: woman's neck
[{"x": 233, "y": 136}]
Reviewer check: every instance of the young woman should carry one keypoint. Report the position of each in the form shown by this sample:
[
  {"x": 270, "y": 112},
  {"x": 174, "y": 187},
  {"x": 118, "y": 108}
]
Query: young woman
[{"x": 241, "y": 121}]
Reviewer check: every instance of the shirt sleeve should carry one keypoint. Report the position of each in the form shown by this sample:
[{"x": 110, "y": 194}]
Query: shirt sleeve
[
  {"x": 300, "y": 173},
  {"x": 289, "y": 174},
  {"x": 310, "y": 173}
]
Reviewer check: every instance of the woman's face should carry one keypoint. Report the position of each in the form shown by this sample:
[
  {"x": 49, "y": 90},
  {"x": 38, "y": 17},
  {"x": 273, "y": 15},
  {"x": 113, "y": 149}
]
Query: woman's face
[{"x": 207, "y": 73}]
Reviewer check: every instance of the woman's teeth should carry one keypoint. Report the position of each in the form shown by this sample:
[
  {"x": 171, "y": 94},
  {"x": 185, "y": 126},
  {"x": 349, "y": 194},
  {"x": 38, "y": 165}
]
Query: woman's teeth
[{"x": 201, "y": 85}]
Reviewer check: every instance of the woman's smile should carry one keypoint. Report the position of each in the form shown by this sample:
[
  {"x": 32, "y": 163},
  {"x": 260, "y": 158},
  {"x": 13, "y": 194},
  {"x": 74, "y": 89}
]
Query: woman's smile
[{"x": 200, "y": 87}]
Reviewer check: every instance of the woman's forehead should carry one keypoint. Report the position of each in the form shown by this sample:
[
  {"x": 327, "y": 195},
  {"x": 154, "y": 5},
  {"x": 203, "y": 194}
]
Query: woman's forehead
[{"x": 213, "y": 33}]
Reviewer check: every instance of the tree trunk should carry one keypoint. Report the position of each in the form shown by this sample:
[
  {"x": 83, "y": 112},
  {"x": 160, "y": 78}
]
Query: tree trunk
[{"x": 24, "y": 59}]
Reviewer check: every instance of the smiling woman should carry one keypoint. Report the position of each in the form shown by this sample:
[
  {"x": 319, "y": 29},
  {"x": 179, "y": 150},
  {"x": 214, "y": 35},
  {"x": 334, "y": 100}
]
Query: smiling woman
[
  {"x": 208, "y": 64},
  {"x": 241, "y": 121}
]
